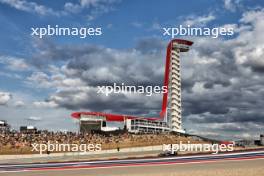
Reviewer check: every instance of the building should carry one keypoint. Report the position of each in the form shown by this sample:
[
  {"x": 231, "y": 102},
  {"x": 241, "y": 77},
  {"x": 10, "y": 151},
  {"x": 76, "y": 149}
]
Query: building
[
  {"x": 262, "y": 139},
  {"x": 245, "y": 143},
  {"x": 28, "y": 129},
  {"x": 4, "y": 127},
  {"x": 251, "y": 142},
  {"x": 146, "y": 126},
  {"x": 171, "y": 111},
  {"x": 90, "y": 123}
]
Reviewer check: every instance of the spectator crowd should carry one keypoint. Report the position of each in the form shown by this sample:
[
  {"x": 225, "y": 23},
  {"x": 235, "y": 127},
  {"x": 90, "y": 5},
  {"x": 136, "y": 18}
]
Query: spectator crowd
[{"x": 21, "y": 142}]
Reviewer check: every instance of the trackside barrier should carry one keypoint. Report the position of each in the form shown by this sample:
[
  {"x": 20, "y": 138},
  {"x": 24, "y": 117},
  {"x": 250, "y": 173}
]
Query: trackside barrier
[{"x": 97, "y": 153}]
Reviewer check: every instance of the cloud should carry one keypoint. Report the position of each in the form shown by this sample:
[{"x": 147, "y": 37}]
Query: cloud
[
  {"x": 14, "y": 63},
  {"x": 5, "y": 97},
  {"x": 251, "y": 51},
  {"x": 41, "y": 79},
  {"x": 31, "y": 7},
  {"x": 228, "y": 4},
  {"x": 19, "y": 104},
  {"x": 34, "y": 118},
  {"x": 96, "y": 7},
  {"x": 88, "y": 63},
  {"x": 44, "y": 104},
  {"x": 226, "y": 81},
  {"x": 88, "y": 66},
  {"x": 231, "y": 5},
  {"x": 74, "y": 8},
  {"x": 199, "y": 20},
  {"x": 10, "y": 75}
]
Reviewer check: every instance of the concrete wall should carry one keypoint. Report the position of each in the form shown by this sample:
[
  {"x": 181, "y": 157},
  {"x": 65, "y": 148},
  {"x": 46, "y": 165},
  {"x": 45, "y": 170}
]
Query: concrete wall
[{"x": 102, "y": 152}]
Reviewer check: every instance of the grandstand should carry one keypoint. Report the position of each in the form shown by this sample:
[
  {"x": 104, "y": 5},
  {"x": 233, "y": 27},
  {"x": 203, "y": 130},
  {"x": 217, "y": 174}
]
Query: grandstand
[{"x": 15, "y": 142}]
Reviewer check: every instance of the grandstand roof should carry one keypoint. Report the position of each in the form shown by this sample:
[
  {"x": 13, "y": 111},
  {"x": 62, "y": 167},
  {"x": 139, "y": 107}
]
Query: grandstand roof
[{"x": 110, "y": 117}]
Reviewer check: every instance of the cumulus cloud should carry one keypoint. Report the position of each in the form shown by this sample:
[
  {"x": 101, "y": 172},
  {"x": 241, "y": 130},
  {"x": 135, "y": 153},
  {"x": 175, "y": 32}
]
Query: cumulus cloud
[
  {"x": 88, "y": 66},
  {"x": 41, "y": 79},
  {"x": 5, "y": 97},
  {"x": 251, "y": 52},
  {"x": 31, "y": 7},
  {"x": 226, "y": 84}
]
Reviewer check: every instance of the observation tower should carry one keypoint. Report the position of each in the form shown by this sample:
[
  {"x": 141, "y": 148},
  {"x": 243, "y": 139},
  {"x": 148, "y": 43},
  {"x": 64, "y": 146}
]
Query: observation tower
[
  {"x": 170, "y": 118},
  {"x": 171, "y": 106}
]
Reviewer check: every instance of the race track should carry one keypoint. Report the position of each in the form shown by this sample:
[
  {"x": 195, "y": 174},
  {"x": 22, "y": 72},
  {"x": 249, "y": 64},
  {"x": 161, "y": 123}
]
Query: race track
[{"x": 250, "y": 162}]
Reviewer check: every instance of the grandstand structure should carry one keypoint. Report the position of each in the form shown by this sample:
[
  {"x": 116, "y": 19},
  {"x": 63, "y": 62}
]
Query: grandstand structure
[{"x": 170, "y": 118}]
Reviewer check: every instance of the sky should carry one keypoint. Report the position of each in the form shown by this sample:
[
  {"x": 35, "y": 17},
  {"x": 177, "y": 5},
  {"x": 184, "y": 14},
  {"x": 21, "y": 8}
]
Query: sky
[{"x": 42, "y": 81}]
